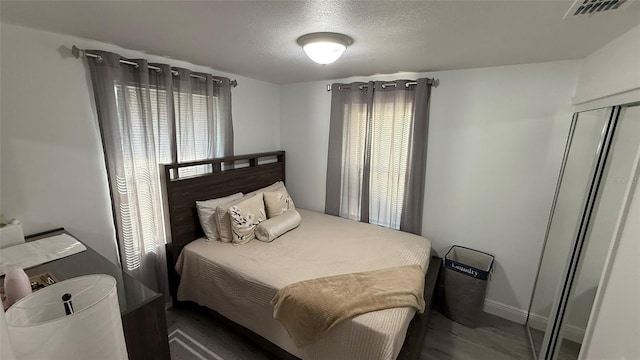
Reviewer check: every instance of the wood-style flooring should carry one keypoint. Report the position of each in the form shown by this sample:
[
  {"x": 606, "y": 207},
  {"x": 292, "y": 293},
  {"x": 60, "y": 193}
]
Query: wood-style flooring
[
  {"x": 223, "y": 340},
  {"x": 494, "y": 339}
]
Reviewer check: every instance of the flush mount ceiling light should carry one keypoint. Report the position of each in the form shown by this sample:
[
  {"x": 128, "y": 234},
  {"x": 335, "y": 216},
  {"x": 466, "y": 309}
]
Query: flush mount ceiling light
[{"x": 324, "y": 47}]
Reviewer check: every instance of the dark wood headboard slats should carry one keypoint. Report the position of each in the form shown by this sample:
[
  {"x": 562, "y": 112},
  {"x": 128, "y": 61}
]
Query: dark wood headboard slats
[
  {"x": 252, "y": 158},
  {"x": 181, "y": 194}
]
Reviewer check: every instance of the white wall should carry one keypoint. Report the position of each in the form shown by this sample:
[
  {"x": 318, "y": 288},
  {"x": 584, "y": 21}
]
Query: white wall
[
  {"x": 495, "y": 146},
  {"x": 612, "y": 71},
  {"x": 52, "y": 170}
]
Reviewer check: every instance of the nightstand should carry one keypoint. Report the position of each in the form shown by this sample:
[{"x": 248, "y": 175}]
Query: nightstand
[{"x": 142, "y": 309}]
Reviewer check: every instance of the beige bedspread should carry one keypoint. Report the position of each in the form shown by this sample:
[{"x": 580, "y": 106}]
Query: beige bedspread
[
  {"x": 309, "y": 309},
  {"x": 239, "y": 282}
]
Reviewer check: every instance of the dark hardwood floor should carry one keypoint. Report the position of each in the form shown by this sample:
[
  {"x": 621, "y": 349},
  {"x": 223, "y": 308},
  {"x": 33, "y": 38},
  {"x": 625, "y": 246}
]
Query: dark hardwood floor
[{"x": 494, "y": 339}]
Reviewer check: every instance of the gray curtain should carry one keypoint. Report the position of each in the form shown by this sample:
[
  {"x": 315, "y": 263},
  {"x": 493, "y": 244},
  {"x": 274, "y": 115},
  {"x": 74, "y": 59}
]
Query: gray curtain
[
  {"x": 149, "y": 117},
  {"x": 377, "y": 152}
]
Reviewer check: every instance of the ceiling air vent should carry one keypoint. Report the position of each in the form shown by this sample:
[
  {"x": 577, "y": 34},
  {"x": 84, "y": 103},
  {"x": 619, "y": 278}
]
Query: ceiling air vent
[{"x": 590, "y": 7}]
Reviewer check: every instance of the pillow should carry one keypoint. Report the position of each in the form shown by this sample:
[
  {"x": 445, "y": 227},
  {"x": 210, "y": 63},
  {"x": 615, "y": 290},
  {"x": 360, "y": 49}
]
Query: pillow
[
  {"x": 245, "y": 215},
  {"x": 223, "y": 221},
  {"x": 273, "y": 187},
  {"x": 207, "y": 212},
  {"x": 270, "y": 229},
  {"x": 277, "y": 202}
]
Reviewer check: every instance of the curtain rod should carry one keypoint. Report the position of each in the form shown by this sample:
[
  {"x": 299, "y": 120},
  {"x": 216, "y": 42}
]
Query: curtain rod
[
  {"x": 77, "y": 53},
  {"x": 434, "y": 82}
]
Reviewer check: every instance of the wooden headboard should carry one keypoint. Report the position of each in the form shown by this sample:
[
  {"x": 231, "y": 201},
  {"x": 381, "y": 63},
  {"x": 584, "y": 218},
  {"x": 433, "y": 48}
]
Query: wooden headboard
[{"x": 229, "y": 175}]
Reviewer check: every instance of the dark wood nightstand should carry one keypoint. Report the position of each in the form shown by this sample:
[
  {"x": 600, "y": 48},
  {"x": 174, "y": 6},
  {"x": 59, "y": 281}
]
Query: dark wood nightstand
[{"x": 143, "y": 313}]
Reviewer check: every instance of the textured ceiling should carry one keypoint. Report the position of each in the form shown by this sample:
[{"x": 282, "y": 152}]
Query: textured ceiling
[{"x": 257, "y": 39}]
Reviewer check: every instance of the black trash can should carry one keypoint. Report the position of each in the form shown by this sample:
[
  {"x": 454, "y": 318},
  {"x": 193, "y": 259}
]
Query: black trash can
[{"x": 466, "y": 275}]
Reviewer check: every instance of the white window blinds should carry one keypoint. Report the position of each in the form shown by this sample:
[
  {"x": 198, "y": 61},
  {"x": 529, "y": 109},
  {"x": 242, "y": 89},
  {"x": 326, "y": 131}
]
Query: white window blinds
[
  {"x": 387, "y": 149},
  {"x": 141, "y": 221}
]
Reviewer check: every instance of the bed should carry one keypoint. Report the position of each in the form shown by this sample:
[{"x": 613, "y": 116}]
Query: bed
[{"x": 237, "y": 283}]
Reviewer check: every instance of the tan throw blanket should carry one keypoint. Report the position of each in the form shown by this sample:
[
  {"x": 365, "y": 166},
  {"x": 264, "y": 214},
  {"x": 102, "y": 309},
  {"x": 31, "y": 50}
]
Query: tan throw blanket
[{"x": 309, "y": 309}]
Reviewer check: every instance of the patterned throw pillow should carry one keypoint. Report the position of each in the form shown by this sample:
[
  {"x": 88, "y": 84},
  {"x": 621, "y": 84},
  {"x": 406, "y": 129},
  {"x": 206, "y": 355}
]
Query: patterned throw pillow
[
  {"x": 245, "y": 216},
  {"x": 277, "y": 202}
]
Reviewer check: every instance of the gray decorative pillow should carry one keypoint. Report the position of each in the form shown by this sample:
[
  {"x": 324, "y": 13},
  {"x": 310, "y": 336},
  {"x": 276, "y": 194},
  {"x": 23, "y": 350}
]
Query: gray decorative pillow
[
  {"x": 245, "y": 216},
  {"x": 277, "y": 202},
  {"x": 207, "y": 212}
]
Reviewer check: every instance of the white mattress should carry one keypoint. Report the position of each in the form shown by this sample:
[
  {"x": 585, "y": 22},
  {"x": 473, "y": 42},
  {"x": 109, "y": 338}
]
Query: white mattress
[{"x": 239, "y": 281}]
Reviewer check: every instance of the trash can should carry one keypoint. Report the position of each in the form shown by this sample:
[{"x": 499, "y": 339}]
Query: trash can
[{"x": 466, "y": 275}]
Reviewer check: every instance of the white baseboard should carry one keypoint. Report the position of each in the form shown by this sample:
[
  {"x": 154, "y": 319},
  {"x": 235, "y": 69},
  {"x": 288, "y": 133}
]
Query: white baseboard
[
  {"x": 505, "y": 311},
  {"x": 539, "y": 322}
]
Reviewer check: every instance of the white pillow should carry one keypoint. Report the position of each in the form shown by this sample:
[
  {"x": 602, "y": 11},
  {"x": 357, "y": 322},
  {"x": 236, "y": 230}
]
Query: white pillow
[
  {"x": 270, "y": 229},
  {"x": 277, "y": 202},
  {"x": 223, "y": 221},
  {"x": 245, "y": 216},
  {"x": 206, "y": 214}
]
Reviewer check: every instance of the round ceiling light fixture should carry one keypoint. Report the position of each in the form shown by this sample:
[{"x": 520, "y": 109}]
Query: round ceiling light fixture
[{"x": 324, "y": 47}]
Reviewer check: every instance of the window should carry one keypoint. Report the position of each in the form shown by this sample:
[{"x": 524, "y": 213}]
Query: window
[
  {"x": 151, "y": 114},
  {"x": 139, "y": 185},
  {"x": 140, "y": 224},
  {"x": 391, "y": 122},
  {"x": 377, "y": 156},
  {"x": 195, "y": 133},
  {"x": 379, "y": 140}
]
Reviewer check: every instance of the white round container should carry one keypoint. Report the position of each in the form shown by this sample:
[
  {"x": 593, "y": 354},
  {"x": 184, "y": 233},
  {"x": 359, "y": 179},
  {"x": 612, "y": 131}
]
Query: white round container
[{"x": 40, "y": 329}]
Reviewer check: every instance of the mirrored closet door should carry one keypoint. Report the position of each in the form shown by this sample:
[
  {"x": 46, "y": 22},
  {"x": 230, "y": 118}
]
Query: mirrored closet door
[{"x": 599, "y": 171}]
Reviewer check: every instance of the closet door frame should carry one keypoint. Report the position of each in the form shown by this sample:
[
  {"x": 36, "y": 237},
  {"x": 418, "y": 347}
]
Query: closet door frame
[
  {"x": 565, "y": 157},
  {"x": 613, "y": 247},
  {"x": 550, "y": 345}
]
